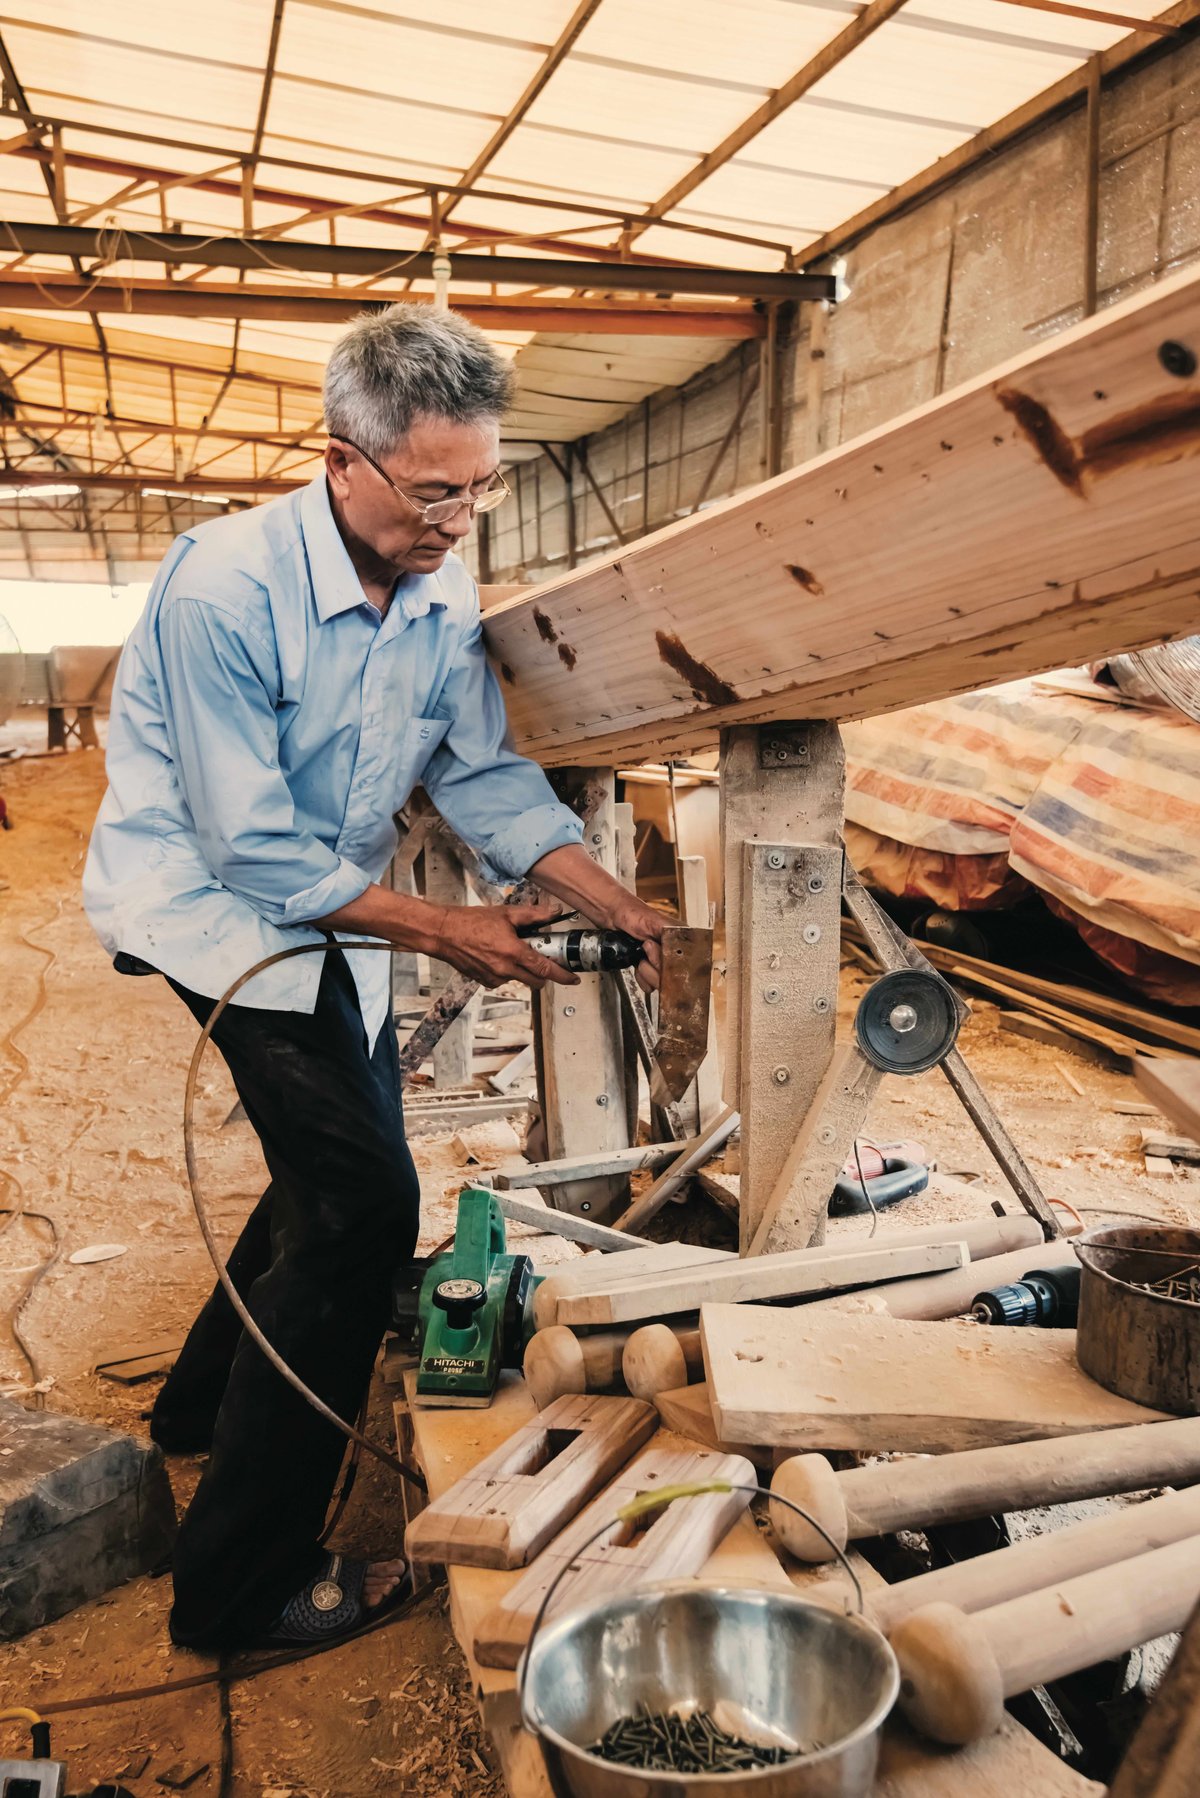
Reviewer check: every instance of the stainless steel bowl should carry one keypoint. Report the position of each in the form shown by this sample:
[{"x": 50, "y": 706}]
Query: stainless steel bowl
[{"x": 790, "y": 1664}]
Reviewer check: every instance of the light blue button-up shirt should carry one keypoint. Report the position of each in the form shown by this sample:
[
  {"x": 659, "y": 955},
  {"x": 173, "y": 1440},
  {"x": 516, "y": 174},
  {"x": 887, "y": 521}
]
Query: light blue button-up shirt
[{"x": 266, "y": 725}]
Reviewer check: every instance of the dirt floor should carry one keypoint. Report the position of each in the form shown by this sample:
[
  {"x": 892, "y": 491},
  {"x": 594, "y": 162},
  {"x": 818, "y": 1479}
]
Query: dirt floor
[{"x": 91, "y": 1080}]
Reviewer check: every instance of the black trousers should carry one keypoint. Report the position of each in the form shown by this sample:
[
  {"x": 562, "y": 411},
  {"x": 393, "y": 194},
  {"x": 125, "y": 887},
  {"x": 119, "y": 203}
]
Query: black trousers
[{"x": 314, "y": 1263}]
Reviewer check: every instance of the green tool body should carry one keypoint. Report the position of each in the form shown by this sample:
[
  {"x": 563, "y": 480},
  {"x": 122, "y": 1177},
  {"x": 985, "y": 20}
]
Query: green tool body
[{"x": 471, "y": 1316}]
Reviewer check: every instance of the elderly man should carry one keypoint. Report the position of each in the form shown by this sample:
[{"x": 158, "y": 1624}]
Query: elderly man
[{"x": 298, "y": 669}]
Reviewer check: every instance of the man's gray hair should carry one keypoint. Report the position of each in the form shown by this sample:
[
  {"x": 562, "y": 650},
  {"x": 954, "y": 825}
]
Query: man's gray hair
[{"x": 409, "y": 362}]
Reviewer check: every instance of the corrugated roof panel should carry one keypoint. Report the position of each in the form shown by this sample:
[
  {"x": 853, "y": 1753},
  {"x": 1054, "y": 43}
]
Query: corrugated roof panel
[
  {"x": 759, "y": 43},
  {"x": 395, "y": 157},
  {"x": 676, "y": 115},
  {"x": 1026, "y": 22},
  {"x": 383, "y": 56},
  {"x": 825, "y": 139},
  {"x": 617, "y": 174},
  {"x": 75, "y": 68},
  {"x": 237, "y": 29},
  {"x": 789, "y": 206},
  {"x": 693, "y": 246},
  {"x": 921, "y": 71},
  {"x": 351, "y": 123},
  {"x": 534, "y": 21}
]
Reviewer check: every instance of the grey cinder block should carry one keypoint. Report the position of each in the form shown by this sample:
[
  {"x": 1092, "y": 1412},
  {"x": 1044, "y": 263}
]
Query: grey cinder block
[{"x": 82, "y": 1508}]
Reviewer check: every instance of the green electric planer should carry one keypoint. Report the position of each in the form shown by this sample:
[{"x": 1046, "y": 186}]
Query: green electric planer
[{"x": 468, "y": 1313}]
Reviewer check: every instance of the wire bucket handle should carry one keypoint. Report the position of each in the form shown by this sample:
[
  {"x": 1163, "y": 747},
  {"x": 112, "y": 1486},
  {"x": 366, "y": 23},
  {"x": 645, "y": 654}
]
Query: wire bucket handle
[{"x": 639, "y": 1507}]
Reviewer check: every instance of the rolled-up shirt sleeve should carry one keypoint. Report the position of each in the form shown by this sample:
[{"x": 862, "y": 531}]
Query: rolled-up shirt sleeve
[
  {"x": 221, "y": 722},
  {"x": 500, "y": 802}
]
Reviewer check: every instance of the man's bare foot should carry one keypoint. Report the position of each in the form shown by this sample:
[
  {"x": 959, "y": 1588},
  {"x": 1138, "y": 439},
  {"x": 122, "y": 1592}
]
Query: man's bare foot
[{"x": 382, "y": 1579}]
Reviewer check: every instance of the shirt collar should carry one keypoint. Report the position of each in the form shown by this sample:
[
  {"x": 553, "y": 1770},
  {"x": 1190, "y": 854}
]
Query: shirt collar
[{"x": 336, "y": 586}]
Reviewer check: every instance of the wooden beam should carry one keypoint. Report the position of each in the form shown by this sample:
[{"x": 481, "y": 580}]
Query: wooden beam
[
  {"x": 859, "y": 29},
  {"x": 1065, "y": 93},
  {"x": 559, "y": 50},
  {"x": 171, "y": 299},
  {"x": 1041, "y": 514},
  {"x": 1100, "y": 18}
]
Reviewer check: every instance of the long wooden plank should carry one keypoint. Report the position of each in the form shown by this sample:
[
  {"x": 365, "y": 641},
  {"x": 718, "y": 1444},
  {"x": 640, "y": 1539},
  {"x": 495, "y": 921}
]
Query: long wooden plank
[
  {"x": 758, "y": 1279},
  {"x": 1039, "y": 515},
  {"x": 882, "y": 1383}
]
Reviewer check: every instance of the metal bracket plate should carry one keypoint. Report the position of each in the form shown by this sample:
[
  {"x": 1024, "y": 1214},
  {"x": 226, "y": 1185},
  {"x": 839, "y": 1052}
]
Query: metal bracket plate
[{"x": 785, "y": 746}]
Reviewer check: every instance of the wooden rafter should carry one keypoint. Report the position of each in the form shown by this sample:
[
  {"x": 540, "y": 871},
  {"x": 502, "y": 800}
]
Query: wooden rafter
[
  {"x": 212, "y": 299},
  {"x": 557, "y": 53},
  {"x": 1072, "y": 11},
  {"x": 859, "y": 29}
]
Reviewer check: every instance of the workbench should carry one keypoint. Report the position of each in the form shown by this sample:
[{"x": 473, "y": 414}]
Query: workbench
[{"x": 448, "y": 1443}]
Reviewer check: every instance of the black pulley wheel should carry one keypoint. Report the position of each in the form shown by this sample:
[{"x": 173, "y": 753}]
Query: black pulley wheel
[{"x": 907, "y": 1021}]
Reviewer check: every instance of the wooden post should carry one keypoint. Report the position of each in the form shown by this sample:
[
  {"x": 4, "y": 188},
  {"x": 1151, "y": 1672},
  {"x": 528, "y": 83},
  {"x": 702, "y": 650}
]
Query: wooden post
[
  {"x": 582, "y": 1079},
  {"x": 781, "y": 822},
  {"x": 446, "y": 884},
  {"x": 1091, "y": 226}
]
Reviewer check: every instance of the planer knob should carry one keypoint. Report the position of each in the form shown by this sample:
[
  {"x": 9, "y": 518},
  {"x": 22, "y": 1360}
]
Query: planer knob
[{"x": 460, "y": 1300}]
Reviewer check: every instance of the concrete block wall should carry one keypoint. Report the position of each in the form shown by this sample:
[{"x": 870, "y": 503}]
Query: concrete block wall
[{"x": 983, "y": 269}]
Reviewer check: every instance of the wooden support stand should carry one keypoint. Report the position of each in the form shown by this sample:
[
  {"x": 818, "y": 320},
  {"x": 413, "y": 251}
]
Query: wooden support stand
[
  {"x": 781, "y": 821},
  {"x": 582, "y": 1078}
]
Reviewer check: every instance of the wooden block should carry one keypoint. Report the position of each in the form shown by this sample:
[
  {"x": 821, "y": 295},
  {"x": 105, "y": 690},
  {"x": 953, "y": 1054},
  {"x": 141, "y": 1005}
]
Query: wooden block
[
  {"x": 1174, "y": 1087},
  {"x": 881, "y": 1383},
  {"x": 514, "y": 1500},
  {"x": 595, "y": 1272},
  {"x": 688, "y": 1412},
  {"x": 1158, "y": 1167},
  {"x": 759, "y": 1277},
  {"x": 669, "y": 1544},
  {"x": 1156, "y": 1143}
]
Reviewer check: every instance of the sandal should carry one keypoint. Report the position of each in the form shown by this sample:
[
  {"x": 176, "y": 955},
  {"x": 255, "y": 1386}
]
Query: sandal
[{"x": 331, "y": 1606}]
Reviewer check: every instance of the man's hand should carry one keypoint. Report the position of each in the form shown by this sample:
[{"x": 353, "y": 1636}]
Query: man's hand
[
  {"x": 482, "y": 941},
  {"x": 572, "y": 876}
]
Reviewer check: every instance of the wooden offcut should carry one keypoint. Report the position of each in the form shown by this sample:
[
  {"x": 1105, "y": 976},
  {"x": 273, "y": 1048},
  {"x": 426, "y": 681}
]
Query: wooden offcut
[
  {"x": 515, "y": 1499},
  {"x": 882, "y": 1383},
  {"x": 889, "y": 571}
]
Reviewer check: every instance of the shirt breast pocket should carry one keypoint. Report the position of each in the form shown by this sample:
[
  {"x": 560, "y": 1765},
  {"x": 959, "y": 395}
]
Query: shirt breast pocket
[{"x": 418, "y": 740}]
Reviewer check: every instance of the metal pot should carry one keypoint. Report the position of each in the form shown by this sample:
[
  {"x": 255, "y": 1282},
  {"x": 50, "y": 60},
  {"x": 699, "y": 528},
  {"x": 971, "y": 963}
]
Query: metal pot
[
  {"x": 1142, "y": 1345},
  {"x": 796, "y": 1666}
]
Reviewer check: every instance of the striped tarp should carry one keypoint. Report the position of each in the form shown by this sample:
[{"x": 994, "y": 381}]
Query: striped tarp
[{"x": 1096, "y": 804}]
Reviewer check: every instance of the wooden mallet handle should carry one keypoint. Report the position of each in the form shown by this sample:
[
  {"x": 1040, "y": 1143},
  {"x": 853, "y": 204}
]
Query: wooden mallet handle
[
  {"x": 987, "y": 1580},
  {"x": 957, "y": 1670},
  {"x": 918, "y": 1493}
]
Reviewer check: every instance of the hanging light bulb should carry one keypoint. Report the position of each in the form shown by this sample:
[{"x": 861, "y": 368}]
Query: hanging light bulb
[{"x": 441, "y": 277}]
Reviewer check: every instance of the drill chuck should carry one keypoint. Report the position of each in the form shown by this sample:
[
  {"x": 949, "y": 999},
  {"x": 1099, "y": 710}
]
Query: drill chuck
[
  {"x": 1048, "y": 1297},
  {"x": 588, "y": 951}
]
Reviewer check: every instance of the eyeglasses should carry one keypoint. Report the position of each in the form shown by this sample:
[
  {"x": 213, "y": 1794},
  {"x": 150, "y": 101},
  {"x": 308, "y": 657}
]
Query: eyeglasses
[{"x": 439, "y": 511}]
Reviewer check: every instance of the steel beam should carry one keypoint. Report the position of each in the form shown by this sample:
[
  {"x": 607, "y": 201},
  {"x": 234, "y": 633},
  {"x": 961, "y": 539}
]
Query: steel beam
[{"x": 180, "y": 247}]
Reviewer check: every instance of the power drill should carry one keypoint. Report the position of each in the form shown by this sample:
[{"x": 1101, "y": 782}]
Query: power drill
[
  {"x": 1047, "y": 1297},
  {"x": 585, "y": 951}
]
